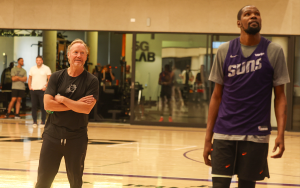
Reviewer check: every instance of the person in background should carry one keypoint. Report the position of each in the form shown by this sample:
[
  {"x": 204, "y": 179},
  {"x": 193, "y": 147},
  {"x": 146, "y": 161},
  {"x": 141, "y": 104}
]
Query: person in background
[
  {"x": 177, "y": 80},
  {"x": 199, "y": 76},
  {"x": 165, "y": 80},
  {"x": 108, "y": 75},
  {"x": 6, "y": 84},
  {"x": 39, "y": 76},
  {"x": 128, "y": 74},
  {"x": 18, "y": 77},
  {"x": 200, "y": 83},
  {"x": 97, "y": 71},
  {"x": 6, "y": 81},
  {"x": 64, "y": 65},
  {"x": 187, "y": 76},
  {"x": 187, "y": 79}
]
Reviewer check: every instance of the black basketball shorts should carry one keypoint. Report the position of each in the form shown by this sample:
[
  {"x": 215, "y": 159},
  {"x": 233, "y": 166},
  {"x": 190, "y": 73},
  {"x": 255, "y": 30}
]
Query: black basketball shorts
[
  {"x": 246, "y": 159},
  {"x": 18, "y": 93}
]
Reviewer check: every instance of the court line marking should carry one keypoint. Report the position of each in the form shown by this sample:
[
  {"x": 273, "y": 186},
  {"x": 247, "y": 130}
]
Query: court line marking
[
  {"x": 147, "y": 144},
  {"x": 120, "y": 144},
  {"x": 109, "y": 164},
  {"x": 154, "y": 148},
  {"x": 187, "y": 146},
  {"x": 185, "y": 155},
  {"x": 153, "y": 177}
]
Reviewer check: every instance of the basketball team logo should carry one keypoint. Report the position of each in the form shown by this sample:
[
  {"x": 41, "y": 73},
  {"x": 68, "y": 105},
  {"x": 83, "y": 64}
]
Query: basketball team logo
[{"x": 71, "y": 88}]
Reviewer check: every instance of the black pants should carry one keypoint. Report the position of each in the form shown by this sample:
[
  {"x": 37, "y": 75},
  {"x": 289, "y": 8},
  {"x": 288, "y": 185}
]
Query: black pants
[
  {"x": 166, "y": 91},
  {"x": 73, "y": 150},
  {"x": 37, "y": 96}
]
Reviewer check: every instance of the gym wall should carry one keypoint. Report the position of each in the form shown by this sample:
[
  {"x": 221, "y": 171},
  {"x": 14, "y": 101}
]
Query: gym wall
[{"x": 199, "y": 16}]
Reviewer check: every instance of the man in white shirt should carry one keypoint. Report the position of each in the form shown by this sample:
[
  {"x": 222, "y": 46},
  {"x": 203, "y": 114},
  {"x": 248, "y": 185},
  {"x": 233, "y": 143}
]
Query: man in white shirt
[
  {"x": 187, "y": 76},
  {"x": 37, "y": 83},
  {"x": 187, "y": 79}
]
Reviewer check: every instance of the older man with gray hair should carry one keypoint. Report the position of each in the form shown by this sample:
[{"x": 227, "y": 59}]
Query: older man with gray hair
[{"x": 70, "y": 96}]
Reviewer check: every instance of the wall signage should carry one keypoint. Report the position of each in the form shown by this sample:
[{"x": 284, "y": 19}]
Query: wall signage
[{"x": 145, "y": 56}]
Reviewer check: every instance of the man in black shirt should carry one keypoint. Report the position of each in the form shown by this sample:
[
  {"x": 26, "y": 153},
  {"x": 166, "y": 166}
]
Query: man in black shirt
[
  {"x": 166, "y": 80},
  {"x": 199, "y": 85},
  {"x": 6, "y": 83},
  {"x": 70, "y": 96}
]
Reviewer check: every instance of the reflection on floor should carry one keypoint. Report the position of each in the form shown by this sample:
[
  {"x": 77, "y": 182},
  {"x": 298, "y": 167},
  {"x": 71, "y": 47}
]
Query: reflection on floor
[
  {"x": 121, "y": 156},
  {"x": 182, "y": 112}
]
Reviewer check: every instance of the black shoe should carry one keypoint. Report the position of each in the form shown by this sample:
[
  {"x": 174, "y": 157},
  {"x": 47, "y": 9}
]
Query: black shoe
[
  {"x": 6, "y": 115},
  {"x": 17, "y": 116}
]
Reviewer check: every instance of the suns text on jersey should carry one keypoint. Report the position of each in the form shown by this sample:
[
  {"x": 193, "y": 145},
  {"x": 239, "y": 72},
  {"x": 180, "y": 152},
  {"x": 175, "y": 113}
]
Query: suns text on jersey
[{"x": 244, "y": 67}]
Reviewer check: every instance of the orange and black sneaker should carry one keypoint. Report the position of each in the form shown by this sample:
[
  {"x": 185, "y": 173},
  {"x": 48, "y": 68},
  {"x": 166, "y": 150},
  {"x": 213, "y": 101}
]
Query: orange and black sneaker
[
  {"x": 170, "y": 119},
  {"x": 161, "y": 119}
]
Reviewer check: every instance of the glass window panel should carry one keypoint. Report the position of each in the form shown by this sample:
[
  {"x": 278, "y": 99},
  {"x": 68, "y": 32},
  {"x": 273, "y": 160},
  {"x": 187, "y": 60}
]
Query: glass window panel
[
  {"x": 168, "y": 84},
  {"x": 106, "y": 49}
]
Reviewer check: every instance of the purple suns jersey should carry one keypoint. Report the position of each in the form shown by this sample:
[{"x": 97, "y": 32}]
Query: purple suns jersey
[{"x": 246, "y": 101}]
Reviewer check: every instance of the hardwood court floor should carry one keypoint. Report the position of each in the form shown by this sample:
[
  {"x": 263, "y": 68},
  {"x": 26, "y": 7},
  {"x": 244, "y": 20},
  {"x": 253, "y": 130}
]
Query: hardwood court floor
[{"x": 127, "y": 156}]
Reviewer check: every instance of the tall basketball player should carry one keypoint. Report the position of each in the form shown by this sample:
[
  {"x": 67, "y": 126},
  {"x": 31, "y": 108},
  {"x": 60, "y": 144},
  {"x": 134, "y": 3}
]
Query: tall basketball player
[{"x": 245, "y": 72}]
